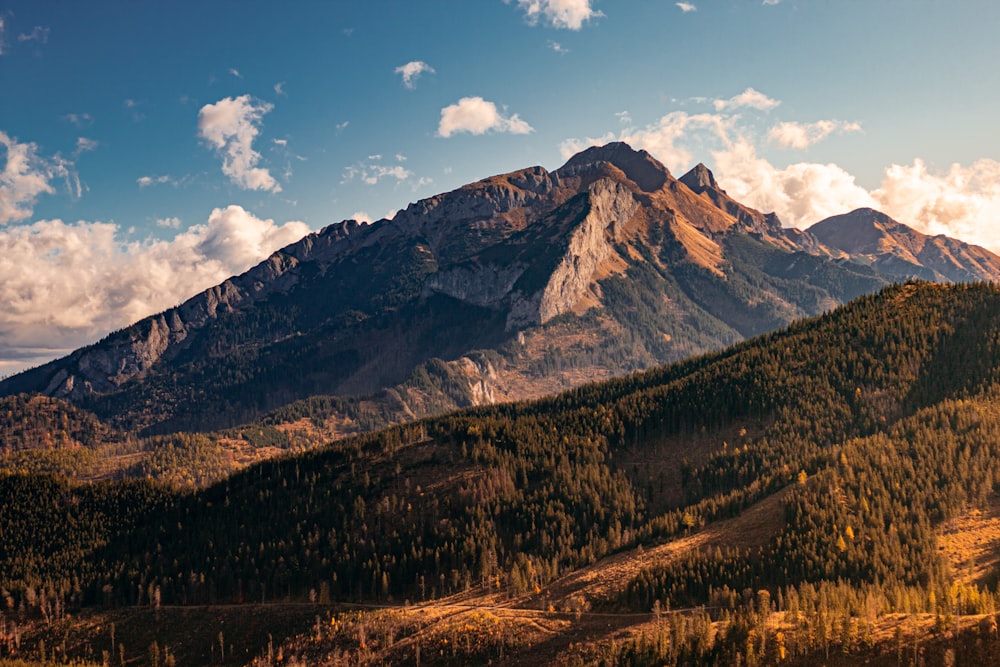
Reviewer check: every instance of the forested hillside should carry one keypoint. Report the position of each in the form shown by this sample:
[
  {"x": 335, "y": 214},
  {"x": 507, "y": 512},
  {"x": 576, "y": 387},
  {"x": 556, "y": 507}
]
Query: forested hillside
[{"x": 878, "y": 422}]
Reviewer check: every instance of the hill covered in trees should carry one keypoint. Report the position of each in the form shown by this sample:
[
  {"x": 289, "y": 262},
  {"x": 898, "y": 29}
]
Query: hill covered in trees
[{"x": 869, "y": 427}]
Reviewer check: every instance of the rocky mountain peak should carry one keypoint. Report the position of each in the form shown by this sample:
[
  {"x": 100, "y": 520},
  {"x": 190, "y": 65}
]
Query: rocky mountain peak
[
  {"x": 700, "y": 179},
  {"x": 638, "y": 166}
]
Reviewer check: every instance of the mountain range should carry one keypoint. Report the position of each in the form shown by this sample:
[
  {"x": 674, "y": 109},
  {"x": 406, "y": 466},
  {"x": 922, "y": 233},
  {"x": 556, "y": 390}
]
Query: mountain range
[{"x": 512, "y": 287}]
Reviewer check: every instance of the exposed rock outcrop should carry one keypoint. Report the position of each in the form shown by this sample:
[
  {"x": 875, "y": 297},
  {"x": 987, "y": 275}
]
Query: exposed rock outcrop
[{"x": 611, "y": 206}]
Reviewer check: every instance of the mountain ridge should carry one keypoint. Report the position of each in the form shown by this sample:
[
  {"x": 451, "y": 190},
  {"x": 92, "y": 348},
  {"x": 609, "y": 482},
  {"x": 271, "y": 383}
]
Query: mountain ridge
[{"x": 606, "y": 265}]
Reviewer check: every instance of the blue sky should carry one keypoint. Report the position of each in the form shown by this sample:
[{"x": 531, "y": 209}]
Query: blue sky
[{"x": 151, "y": 149}]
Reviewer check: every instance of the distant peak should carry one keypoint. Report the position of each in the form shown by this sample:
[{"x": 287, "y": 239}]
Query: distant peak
[
  {"x": 639, "y": 166},
  {"x": 700, "y": 179}
]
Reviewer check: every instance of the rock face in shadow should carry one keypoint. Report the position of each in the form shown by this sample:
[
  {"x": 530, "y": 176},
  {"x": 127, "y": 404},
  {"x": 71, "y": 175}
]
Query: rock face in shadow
[{"x": 606, "y": 265}]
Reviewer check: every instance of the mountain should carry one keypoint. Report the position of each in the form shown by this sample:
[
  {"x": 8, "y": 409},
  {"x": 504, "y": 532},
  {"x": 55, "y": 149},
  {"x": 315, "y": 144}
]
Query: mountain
[
  {"x": 801, "y": 494},
  {"x": 895, "y": 249},
  {"x": 512, "y": 287}
]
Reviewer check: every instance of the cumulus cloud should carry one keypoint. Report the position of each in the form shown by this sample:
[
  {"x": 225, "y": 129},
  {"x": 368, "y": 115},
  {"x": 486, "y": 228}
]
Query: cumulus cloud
[
  {"x": 800, "y": 136},
  {"x": 478, "y": 116},
  {"x": 686, "y": 7},
  {"x": 749, "y": 98},
  {"x": 671, "y": 139},
  {"x": 26, "y": 175},
  {"x": 568, "y": 14},
  {"x": 412, "y": 70},
  {"x": 72, "y": 283},
  {"x": 801, "y": 193},
  {"x": 230, "y": 126},
  {"x": 962, "y": 202}
]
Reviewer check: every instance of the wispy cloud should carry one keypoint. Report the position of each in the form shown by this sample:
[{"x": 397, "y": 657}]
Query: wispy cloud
[
  {"x": 85, "y": 145},
  {"x": 73, "y": 283},
  {"x": 412, "y": 70},
  {"x": 771, "y": 2},
  {"x": 749, "y": 98},
  {"x": 565, "y": 14},
  {"x": 80, "y": 120},
  {"x": 372, "y": 171},
  {"x": 230, "y": 126},
  {"x": 800, "y": 136},
  {"x": 686, "y": 7},
  {"x": 557, "y": 47},
  {"x": 26, "y": 175},
  {"x": 478, "y": 116},
  {"x": 235, "y": 72},
  {"x": 279, "y": 88},
  {"x": 38, "y": 34},
  {"x": 133, "y": 106}
]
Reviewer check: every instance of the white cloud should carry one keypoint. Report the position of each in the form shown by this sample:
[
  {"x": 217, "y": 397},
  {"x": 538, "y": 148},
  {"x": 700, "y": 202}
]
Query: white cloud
[
  {"x": 801, "y": 193},
  {"x": 146, "y": 181},
  {"x": 72, "y": 283},
  {"x": 686, "y": 7},
  {"x": 340, "y": 127},
  {"x": 230, "y": 126},
  {"x": 963, "y": 202},
  {"x": 412, "y": 70},
  {"x": 751, "y": 98},
  {"x": 26, "y": 175},
  {"x": 170, "y": 223},
  {"x": 38, "y": 34},
  {"x": 800, "y": 136},
  {"x": 558, "y": 48},
  {"x": 569, "y": 14},
  {"x": 371, "y": 171},
  {"x": 280, "y": 142},
  {"x": 624, "y": 117},
  {"x": 279, "y": 89},
  {"x": 235, "y": 72},
  {"x": 771, "y": 2},
  {"x": 361, "y": 216},
  {"x": 478, "y": 116},
  {"x": 79, "y": 119},
  {"x": 1, "y": 35},
  {"x": 671, "y": 139},
  {"x": 85, "y": 145}
]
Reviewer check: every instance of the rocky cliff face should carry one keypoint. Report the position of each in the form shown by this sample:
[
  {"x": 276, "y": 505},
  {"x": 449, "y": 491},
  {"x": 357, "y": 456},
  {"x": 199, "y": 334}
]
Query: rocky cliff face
[{"x": 469, "y": 297}]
